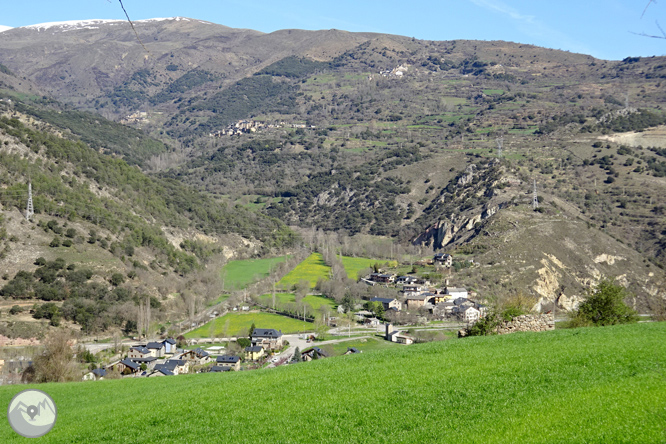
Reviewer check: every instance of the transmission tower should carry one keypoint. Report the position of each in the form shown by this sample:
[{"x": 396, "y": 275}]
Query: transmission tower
[
  {"x": 499, "y": 147},
  {"x": 30, "y": 210},
  {"x": 535, "y": 199}
]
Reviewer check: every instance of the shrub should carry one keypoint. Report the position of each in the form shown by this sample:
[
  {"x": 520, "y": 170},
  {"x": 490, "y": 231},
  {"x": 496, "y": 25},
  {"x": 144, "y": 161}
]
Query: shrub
[
  {"x": 117, "y": 279},
  {"x": 604, "y": 306}
]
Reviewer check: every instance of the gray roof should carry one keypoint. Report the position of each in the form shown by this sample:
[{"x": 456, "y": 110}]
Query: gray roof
[
  {"x": 266, "y": 333},
  {"x": 317, "y": 349},
  {"x": 227, "y": 359},
  {"x": 130, "y": 364},
  {"x": 140, "y": 349},
  {"x": 155, "y": 345},
  {"x": 170, "y": 341},
  {"x": 200, "y": 352},
  {"x": 253, "y": 349},
  {"x": 171, "y": 364},
  {"x": 455, "y": 289},
  {"x": 139, "y": 360},
  {"x": 163, "y": 370},
  {"x": 99, "y": 372}
]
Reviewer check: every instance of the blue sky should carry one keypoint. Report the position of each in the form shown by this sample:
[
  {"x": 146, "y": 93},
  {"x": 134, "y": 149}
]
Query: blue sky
[{"x": 600, "y": 28}]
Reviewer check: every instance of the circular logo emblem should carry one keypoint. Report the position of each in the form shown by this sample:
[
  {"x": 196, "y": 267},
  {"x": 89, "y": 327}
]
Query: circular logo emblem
[{"x": 32, "y": 413}]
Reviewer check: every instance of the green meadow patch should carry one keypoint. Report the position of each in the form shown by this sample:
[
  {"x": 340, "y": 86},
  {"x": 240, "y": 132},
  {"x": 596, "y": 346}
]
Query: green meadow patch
[
  {"x": 355, "y": 264},
  {"x": 239, "y": 274},
  {"x": 589, "y": 385},
  {"x": 239, "y": 322},
  {"x": 311, "y": 269},
  {"x": 315, "y": 302},
  {"x": 493, "y": 92}
]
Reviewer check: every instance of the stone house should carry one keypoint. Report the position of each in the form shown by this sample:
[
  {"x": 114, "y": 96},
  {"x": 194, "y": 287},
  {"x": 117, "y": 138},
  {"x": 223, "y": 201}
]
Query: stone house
[
  {"x": 415, "y": 302},
  {"x": 197, "y": 356},
  {"x": 388, "y": 303},
  {"x": 443, "y": 259},
  {"x": 139, "y": 351},
  {"x": 157, "y": 349}
]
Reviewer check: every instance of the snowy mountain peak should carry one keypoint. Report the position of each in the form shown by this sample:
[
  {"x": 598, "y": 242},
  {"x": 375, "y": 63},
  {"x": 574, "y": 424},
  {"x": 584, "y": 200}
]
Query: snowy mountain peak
[
  {"x": 72, "y": 25},
  {"x": 5, "y": 28}
]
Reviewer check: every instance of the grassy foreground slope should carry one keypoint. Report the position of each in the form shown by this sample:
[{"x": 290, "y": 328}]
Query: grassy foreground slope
[{"x": 584, "y": 385}]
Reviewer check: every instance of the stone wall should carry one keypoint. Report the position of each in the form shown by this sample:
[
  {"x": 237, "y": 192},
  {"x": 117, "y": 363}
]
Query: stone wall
[
  {"x": 541, "y": 322},
  {"x": 6, "y": 342}
]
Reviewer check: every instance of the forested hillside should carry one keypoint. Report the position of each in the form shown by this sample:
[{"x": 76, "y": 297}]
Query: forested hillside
[{"x": 105, "y": 238}]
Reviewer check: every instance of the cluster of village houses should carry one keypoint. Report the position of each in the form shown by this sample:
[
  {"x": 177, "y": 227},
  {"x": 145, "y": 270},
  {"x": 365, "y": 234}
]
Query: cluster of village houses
[
  {"x": 164, "y": 359},
  {"x": 419, "y": 296},
  {"x": 252, "y": 126},
  {"x": 138, "y": 117}
]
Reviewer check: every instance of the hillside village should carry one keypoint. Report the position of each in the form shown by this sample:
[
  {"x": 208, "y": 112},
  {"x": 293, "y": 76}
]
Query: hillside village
[{"x": 253, "y": 126}]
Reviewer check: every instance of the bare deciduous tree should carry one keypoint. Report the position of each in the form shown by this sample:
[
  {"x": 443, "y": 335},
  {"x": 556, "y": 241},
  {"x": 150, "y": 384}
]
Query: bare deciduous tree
[{"x": 56, "y": 362}]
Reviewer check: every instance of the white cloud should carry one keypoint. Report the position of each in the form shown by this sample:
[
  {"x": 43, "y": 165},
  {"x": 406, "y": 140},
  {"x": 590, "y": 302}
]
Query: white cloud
[
  {"x": 533, "y": 27},
  {"x": 503, "y": 9}
]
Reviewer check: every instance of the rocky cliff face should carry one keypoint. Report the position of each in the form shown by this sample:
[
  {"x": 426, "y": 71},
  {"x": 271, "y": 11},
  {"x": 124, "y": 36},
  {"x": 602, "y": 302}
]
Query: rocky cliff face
[{"x": 472, "y": 197}]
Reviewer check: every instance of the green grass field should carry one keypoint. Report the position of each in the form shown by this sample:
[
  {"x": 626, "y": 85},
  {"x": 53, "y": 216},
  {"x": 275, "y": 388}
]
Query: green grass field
[
  {"x": 243, "y": 321},
  {"x": 355, "y": 264},
  {"x": 289, "y": 298},
  {"x": 593, "y": 385},
  {"x": 240, "y": 274},
  {"x": 311, "y": 269}
]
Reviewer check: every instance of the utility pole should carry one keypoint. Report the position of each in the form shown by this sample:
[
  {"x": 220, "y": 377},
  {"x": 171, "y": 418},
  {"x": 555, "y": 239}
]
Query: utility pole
[
  {"x": 535, "y": 199},
  {"x": 30, "y": 210},
  {"x": 499, "y": 147}
]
